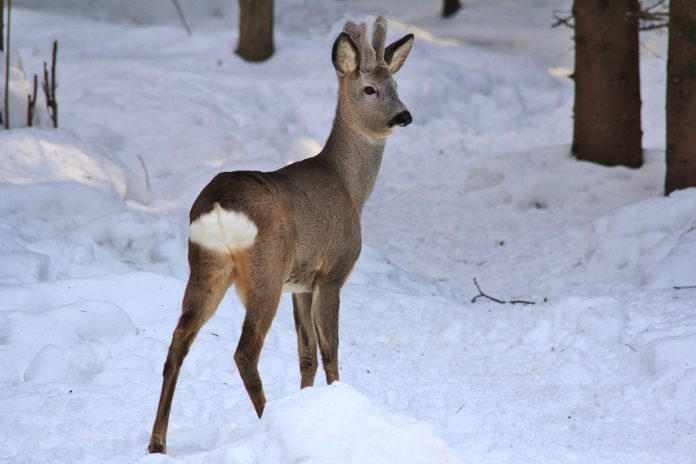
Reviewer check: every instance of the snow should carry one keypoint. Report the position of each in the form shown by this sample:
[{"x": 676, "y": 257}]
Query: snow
[{"x": 94, "y": 229}]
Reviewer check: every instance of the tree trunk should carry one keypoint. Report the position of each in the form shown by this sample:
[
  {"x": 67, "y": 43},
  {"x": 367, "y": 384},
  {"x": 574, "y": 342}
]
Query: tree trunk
[
  {"x": 450, "y": 7},
  {"x": 607, "y": 126},
  {"x": 681, "y": 97},
  {"x": 255, "y": 29}
]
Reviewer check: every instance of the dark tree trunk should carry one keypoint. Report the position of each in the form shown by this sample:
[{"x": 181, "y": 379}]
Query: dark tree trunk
[
  {"x": 450, "y": 7},
  {"x": 681, "y": 97},
  {"x": 255, "y": 29},
  {"x": 607, "y": 126}
]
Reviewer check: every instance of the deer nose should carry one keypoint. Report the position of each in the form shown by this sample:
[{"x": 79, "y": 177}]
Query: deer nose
[{"x": 402, "y": 119}]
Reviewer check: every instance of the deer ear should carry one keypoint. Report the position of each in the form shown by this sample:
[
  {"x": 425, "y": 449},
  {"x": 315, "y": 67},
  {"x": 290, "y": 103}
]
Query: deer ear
[
  {"x": 345, "y": 55},
  {"x": 396, "y": 53}
]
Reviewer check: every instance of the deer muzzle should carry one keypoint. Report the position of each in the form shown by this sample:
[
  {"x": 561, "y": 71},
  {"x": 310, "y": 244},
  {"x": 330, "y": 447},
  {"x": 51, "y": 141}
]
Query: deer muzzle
[{"x": 402, "y": 119}]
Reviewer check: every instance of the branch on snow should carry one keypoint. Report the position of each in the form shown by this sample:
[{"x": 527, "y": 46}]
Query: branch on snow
[{"x": 497, "y": 300}]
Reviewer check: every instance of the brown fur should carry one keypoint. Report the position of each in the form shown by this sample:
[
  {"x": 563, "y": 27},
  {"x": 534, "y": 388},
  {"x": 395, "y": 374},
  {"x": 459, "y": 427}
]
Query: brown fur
[{"x": 308, "y": 219}]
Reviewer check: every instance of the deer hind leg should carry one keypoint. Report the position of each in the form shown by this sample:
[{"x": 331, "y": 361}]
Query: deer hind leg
[
  {"x": 211, "y": 276},
  {"x": 261, "y": 305},
  {"x": 306, "y": 337},
  {"x": 325, "y": 302}
]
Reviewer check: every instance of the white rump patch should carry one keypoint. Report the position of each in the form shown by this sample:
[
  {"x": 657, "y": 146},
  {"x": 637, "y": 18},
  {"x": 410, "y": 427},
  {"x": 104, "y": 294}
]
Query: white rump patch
[
  {"x": 292, "y": 287},
  {"x": 223, "y": 231}
]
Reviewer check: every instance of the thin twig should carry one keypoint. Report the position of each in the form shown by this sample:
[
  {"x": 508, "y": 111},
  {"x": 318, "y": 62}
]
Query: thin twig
[
  {"x": 6, "y": 112},
  {"x": 2, "y": 25},
  {"x": 683, "y": 287},
  {"x": 629, "y": 346},
  {"x": 565, "y": 20},
  {"x": 147, "y": 175},
  {"x": 652, "y": 17},
  {"x": 180, "y": 12},
  {"x": 31, "y": 103},
  {"x": 483, "y": 295},
  {"x": 49, "y": 86},
  {"x": 654, "y": 27},
  {"x": 522, "y": 302},
  {"x": 54, "y": 114}
]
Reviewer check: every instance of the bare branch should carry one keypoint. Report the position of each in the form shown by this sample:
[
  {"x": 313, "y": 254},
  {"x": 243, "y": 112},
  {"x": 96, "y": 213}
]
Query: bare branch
[
  {"x": 49, "y": 86},
  {"x": 498, "y": 300},
  {"x": 677, "y": 287},
  {"x": 2, "y": 25},
  {"x": 31, "y": 102},
  {"x": 180, "y": 12},
  {"x": 563, "y": 19},
  {"x": 6, "y": 112},
  {"x": 521, "y": 302},
  {"x": 654, "y": 16},
  {"x": 147, "y": 174},
  {"x": 483, "y": 295}
]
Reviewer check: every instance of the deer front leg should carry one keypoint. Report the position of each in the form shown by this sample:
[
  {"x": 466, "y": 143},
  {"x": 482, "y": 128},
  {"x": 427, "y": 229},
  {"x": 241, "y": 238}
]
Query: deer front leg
[
  {"x": 306, "y": 337},
  {"x": 261, "y": 306},
  {"x": 325, "y": 302},
  {"x": 207, "y": 285}
]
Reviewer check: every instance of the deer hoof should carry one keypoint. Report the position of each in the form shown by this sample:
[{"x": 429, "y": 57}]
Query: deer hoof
[{"x": 156, "y": 447}]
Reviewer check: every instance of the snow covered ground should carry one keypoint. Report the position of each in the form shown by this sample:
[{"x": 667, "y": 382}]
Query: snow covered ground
[{"x": 93, "y": 224}]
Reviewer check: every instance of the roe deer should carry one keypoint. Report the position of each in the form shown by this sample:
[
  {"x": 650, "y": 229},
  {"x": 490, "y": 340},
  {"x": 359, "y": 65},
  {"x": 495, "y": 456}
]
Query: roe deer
[{"x": 292, "y": 230}]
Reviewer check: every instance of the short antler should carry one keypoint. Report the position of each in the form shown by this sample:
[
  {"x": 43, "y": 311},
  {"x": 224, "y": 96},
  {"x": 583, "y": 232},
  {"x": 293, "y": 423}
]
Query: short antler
[
  {"x": 379, "y": 36},
  {"x": 371, "y": 55}
]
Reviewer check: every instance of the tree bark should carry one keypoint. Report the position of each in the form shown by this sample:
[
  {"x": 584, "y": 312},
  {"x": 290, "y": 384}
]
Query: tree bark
[
  {"x": 450, "y": 7},
  {"x": 255, "y": 29},
  {"x": 607, "y": 124},
  {"x": 681, "y": 97}
]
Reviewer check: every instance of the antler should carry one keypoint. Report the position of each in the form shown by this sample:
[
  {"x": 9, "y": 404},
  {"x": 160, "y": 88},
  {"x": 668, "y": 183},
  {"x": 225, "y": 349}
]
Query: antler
[
  {"x": 371, "y": 55},
  {"x": 379, "y": 36}
]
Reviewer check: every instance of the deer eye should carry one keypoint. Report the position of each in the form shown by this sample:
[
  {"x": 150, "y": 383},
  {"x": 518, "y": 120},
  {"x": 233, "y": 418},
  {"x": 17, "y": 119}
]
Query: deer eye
[{"x": 369, "y": 90}]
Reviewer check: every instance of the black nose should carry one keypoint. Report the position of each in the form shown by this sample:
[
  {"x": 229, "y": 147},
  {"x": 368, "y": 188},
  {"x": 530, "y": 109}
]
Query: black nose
[{"x": 402, "y": 119}]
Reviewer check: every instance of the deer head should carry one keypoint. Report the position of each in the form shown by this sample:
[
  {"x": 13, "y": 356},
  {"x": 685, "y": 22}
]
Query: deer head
[{"x": 368, "y": 100}]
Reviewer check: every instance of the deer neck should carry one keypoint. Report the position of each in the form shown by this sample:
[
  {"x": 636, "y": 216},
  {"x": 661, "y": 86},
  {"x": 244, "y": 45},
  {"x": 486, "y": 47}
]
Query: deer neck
[{"x": 355, "y": 156}]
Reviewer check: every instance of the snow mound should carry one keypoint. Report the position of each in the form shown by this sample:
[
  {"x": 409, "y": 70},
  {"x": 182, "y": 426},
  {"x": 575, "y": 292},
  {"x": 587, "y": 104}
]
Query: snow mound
[
  {"x": 567, "y": 185},
  {"x": 60, "y": 344},
  {"x": 652, "y": 242},
  {"x": 337, "y": 424},
  {"x": 94, "y": 320},
  {"x": 36, "y": 157}
]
